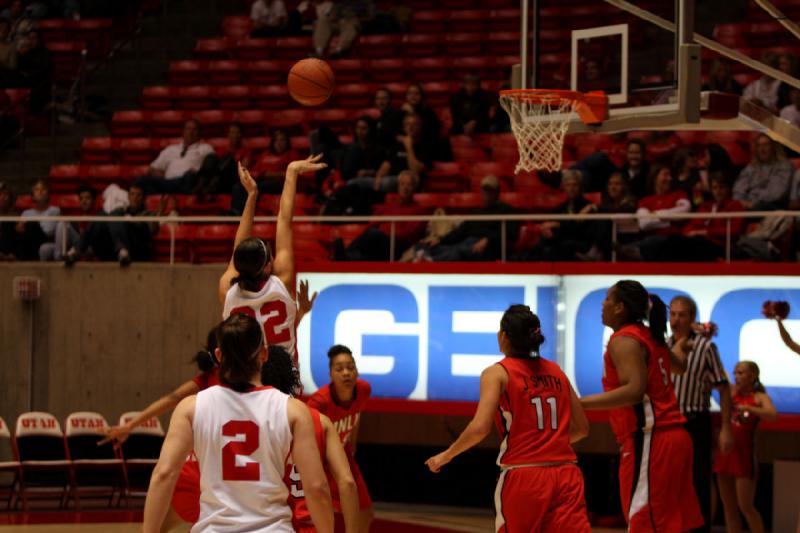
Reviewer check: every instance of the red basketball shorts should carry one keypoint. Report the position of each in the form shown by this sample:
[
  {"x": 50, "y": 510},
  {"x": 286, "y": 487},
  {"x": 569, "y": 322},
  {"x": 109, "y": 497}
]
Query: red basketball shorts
[
  {"x": 655, "y": 481},
  {"x": 364, "y": 499},
  {"x": 541, "y": 499},
  {"x": 186, "y": 497}
]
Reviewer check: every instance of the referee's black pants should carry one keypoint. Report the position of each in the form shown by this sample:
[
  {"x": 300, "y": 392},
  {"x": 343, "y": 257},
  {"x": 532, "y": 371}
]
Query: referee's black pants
[{"x": 699, "y": 427}]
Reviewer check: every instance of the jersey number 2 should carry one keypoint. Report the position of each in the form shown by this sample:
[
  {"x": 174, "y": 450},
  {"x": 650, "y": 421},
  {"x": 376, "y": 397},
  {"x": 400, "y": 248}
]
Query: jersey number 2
[
  {"x": 551, "y": 401},
  {"x": 250, "y": 471},
  {"x": 275, "y": 311}
]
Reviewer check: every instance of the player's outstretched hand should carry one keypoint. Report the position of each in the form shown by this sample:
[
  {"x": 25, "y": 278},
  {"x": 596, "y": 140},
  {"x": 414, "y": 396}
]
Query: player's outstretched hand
[
  {"x": 117, "y": 434},
  {"x": 436, "y": 462},
  {"x": 247, "y": 180},
  {"x": 312, "y": 164},
  {"x": 304, "y": 303}
]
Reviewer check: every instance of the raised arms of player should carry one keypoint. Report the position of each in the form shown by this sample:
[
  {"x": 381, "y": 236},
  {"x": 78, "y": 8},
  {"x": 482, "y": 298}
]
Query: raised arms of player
[
  {"x": 176, "y": 447},
  {"x": 306, "y": 458},
  {"x": 493, "y": 381},
  {"x": 629, "y": 360},
  {"x": 283, "y": 265},
  {"x": 787, "y": 339},
  {"x": 244, "y": 231},
  {"x": 339, "y": 467},
  {"x": 304, "y": 303},
  {"x": 119, "y": 434},
  {"x": 578, "y": 423}
]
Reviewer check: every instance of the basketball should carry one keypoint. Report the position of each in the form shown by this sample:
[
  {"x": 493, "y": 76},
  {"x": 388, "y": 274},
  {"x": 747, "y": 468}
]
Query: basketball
[{"x": 311, "y": 81}]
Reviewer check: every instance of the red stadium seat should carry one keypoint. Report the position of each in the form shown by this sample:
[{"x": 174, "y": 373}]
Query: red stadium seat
[
  {"x": 348, "y": 232},
  {"x": 458, "y": 4},
  {"x": 67, "y": 58},
  {"x": 96, "y": 33},
  {"x": 254, "y": 49},
  {"x": 505, "y": 20},
  {"x": 23, "y": 202},
  {"x": 264, "y": 231},
  {"x": 266, "y": 72},
  {"x": 167, "y": 123},
  {"x": 354, "y": 95},
  {"x": 254, "y": 122},
  {"x": 187, "y": 72},
  {"x": 212, "y": 49},
  {"x": 338, "y": 120},
  {"x": 55, "y": 29},
  {"x": 422, "y": 45},
  {"x": 291, "y": 120},
  {"x": 184, "y": 236},
  {"x": 437, "y": 94},
  {"x": 463, "y": 44},
  {"x": 348, "y": 70},
  {"x": 64, "y": 178},
  {"x": 97, "y": 150},
  {"x": 136, "y": 151},
  {"x": 234, "y": 97},
  {"x": 482, "y": 66},
  {"x": 214, "y": 122},
  {"x": 468, "y": 20},
  {"x": 430, "y": 68},
  {"x": 158, "y": 97},
  {"x": 257, "y": 144},
  {"x": 429, "y": 21},
  {"x": 225, "y": 72},
  {"x": 470, "y": 154},
  {"x": 383, "y": 70},
  {"x": 518, "y": 200},
  {"x": 194, "y": 98},
  {"x": 463, "y": 202},
  {"x": 379, "y": 46},
  {"x": 294, "y": 48},
  {"x": 214, "y": 243},
  {"x": 272, "y": 97},
  {"x": 237, "y": 26},
  {"x": 445, "y": 177},
  {"x": 101, "y": 176},
  {"x": 193, "y": 205},
  {"x": 129, "y": 123},
  {"x": 500, "y": 43}
]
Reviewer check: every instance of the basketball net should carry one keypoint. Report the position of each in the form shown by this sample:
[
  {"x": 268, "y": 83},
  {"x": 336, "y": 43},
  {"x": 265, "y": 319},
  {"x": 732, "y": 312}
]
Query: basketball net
[{"x": 540, "y": 141}]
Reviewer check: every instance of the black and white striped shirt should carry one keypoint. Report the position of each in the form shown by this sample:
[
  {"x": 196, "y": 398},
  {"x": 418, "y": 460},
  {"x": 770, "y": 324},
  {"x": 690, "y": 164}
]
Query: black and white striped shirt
[{"x": 704, "y": 371}]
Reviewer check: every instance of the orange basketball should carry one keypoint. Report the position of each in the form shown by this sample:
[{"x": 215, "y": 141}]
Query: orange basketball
[{"x": 310, "y": 81}]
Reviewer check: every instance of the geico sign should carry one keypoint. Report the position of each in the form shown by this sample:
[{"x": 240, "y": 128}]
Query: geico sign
[{"x": 427, "y": 337}]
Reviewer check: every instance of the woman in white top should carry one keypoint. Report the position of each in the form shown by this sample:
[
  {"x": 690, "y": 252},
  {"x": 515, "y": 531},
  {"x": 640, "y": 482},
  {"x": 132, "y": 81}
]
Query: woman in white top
[{"x": 241, "y": 433}]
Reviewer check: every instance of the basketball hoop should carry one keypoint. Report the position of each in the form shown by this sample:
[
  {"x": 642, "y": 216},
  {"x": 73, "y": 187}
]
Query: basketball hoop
[{"x": 540, "y": 119}]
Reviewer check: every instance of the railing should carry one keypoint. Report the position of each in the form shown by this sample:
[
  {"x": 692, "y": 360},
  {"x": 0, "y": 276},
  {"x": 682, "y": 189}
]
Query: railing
[{"x": 171, "y": 221}]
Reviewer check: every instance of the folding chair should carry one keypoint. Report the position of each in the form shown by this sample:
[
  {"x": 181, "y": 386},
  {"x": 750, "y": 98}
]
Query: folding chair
[
  {"x": 141, "y": 451},
  {"x": 46, "y": 469},
  {"x": 10, "y": 468}
]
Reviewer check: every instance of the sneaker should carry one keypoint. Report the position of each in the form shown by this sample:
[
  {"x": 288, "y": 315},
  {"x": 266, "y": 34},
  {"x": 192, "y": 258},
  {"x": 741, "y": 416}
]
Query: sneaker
[
  {"x": 124, "y": 257},
  {"x": 71, "y": 257}
]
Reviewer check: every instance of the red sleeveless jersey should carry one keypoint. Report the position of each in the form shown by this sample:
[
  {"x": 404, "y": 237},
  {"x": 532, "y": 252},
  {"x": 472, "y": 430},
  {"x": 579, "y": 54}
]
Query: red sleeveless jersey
[
  {"x": 659, "y": 407},
  {"x": 534, "y": 414},
  {"x": 301, "y": 518},
  {"x": 344, "y": 416}
]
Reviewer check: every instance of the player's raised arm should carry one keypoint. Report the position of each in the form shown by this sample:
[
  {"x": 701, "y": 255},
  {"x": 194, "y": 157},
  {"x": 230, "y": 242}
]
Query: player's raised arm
[
  {"x": 283, "y": 265},
  {"x": 244, "y": 231},
  {"x": 493, "y": 380},
  {"x": 176, "y": 447},
  {"x": 306, "y": 457},
  {"x": 339, "y": 467}
]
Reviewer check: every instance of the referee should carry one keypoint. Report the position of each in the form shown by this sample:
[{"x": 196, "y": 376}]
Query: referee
[{"x": 693, "y": 390}]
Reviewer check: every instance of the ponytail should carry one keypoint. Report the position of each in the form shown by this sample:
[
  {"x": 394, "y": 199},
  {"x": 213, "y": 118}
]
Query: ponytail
[
  {"x": 240, "y": 339},
  {"x": 523, "y": 331},
  {"x": 657, "y": 319},
  {"x": 205, "y": 358}
]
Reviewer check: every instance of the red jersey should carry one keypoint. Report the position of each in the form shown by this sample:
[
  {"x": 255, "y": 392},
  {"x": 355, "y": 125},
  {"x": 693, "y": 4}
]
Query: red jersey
[
  {"x": 534, "y": 414},
  {"x": 208, "y": 379},
  {"x": 301, "y": 518},
  {"x": 659, "y": 407},
  {"x": 344, "y": 416}
]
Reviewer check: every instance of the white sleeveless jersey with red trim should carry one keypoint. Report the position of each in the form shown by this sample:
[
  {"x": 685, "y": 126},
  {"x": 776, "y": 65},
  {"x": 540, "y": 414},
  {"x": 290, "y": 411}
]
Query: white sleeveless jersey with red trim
[
  {"x": 242, "y": 442},
  {"x": 274, "y": 308}
]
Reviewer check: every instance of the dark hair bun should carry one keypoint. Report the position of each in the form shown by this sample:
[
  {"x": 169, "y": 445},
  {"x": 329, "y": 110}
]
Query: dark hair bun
[{"x": 537, "y": 339}]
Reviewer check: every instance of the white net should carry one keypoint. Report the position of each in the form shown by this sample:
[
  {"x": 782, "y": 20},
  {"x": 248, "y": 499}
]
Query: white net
[{"x": 539, "y": 126}]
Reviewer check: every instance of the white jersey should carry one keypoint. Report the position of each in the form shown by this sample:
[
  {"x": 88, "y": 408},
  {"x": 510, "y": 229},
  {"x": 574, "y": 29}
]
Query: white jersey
[
  {"x": 242, "y": 442},
  {"x": 273, "y": 307}
]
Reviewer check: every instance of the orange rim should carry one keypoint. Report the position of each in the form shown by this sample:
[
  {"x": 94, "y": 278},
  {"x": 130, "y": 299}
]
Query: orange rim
[{"x": 591, "y": 107}]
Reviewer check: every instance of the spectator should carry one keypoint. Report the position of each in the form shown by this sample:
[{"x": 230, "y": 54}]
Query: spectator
[
  {"x": 179, "y": 168},
  {"x": 8, "y": 51},
  {"x": 374, "y": 243},
  {"x": 764, "y": 90},
  {"x": 411, "y": 152},
  {"x": 9, "y": 125},
  {"x": 636, "y": 169},
  {"x": 227, "y": 163},
  {"x": 307, "y": 13},
  {"x": 123, "y": 241},
  {"x": 561, "y": 240},
  {"x": 791, "y": 112},
  {"x": 415, "y": 104},
  {"x": 19, "y": 21},
  {"x": 473, "y": 240},
  {"x": 592, "y": 79},
  {"x": 617, "y": 198},
  {"x": 469, "y": 108},
  {"x": 35, "y": 235},
  {"x": 390, "y": 121},
  {"x": 686, "y": 163},
  {"x": 346, "y": 19},
  {"x": 69, "y": 233},
  {"x": 269, "y": 18},
  {"x": 9, "y": 238},
  {"x": 764, "y": 184},
  {"x": 720, "y": 78},
  {"x": 268, "y": 170},
  {"x": 787, "y": 63},
  {"x": 363, "y": 157}
]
